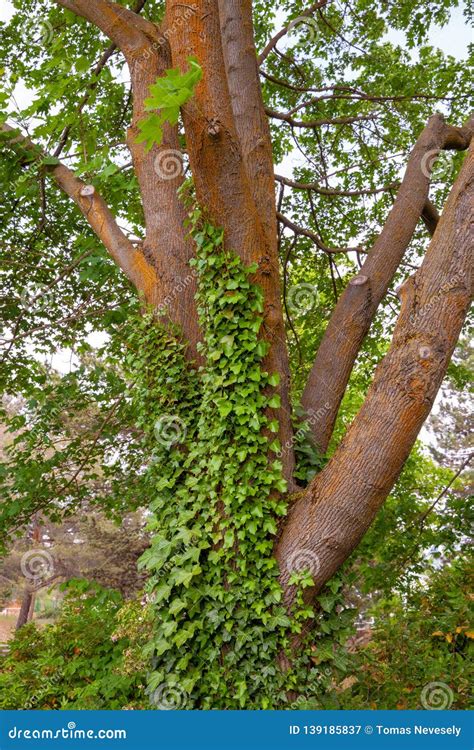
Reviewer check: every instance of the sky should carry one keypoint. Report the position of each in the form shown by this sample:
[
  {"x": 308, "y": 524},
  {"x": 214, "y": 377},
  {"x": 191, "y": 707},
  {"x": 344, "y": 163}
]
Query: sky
[{"x": 453, "y": 38}]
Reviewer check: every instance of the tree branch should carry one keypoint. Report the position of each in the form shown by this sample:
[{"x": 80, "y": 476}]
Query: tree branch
[
  {"x": 124, "y": 27},
  {"x": 316, "y": 238},
  {"x": 354, "y": 93},
  {"x": 105, "y": 57},
  {"x": 329, "y": 520},
  {"x": 358, "y": 304},
  {"x": 286, "y": 117},
  {"x": 430, "y": 217},
  {"x": 333, "y": 191},
  {"x": 159, "y": 171},
  {"x": 94, "y": 209},
  {"x": 286, "y": 29}
]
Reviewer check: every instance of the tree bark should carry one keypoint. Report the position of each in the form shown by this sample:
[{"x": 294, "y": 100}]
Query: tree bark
[
  {"x": 430, "y": 217},
  {"x": 330, "y": 519},
  {"x": 223, "y": 186},
  {"x": 251, "y": 121},
  {"x": 25, "y": 609},
  {"x": 358, "y": 305}
]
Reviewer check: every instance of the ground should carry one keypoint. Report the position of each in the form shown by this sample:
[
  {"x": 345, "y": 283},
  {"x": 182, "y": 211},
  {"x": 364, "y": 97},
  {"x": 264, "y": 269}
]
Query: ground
[{"x": 7, "y": 625}]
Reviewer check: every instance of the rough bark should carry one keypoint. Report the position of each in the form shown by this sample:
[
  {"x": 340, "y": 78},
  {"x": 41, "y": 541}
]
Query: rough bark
[
  {"x": 251, "y": 121},
  {"x": 330, "y": 519},
  {"x": 223, "y": 186},
  {"x": 357, "y": 306}
]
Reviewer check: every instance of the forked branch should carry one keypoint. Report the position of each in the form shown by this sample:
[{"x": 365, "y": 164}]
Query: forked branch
[
  {"x": 306, "y": 14},
  {"x": 159, "y": 171},
  {"x": 329, "y": 520},
  {"x": 357, "y": 306}
]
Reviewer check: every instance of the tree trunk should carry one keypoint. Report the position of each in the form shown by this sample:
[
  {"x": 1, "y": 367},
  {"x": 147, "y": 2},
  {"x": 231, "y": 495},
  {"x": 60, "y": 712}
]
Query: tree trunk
[
  {"x": 229, "y": 149},
  {"x": 220, "y": 162},
  {"x": 27, "y": 603}
]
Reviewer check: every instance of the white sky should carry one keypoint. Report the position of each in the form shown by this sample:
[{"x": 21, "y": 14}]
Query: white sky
[{"x": 453, "y": 38}]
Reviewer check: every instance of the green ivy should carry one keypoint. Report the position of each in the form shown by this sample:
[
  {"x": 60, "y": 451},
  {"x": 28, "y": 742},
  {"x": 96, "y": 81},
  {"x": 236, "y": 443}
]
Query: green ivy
[{"x": 217, "y": 494}]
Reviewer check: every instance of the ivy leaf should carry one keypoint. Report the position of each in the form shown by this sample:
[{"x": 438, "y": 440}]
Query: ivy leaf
[
  {"x": 183, "y": 576},
  {"x": 274, "y": 402}
]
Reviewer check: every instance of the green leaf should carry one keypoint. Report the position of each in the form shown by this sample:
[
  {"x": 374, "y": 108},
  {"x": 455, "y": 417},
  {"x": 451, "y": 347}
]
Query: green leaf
[{"x": 167, "y": 95}]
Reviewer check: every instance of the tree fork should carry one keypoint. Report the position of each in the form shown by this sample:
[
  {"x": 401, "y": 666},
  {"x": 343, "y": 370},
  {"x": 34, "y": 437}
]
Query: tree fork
[
  {"x": 357, "y": 306},
  {"x": 327, "y": 523}
]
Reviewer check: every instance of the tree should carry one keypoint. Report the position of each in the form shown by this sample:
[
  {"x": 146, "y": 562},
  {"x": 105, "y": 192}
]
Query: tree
[
  {"x": 454, "y": 416},
  {"x": 85, "y": 545},
  {"x": 211, "y": 364}
]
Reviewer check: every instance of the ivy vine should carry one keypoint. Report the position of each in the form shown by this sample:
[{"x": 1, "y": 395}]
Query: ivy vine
[{"x": 217, "y": 493}]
